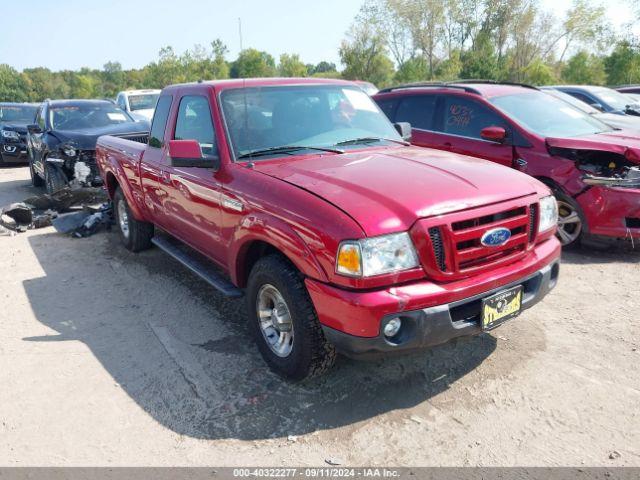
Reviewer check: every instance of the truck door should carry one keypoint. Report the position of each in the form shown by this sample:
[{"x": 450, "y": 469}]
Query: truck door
[
  {"x": 192, "y": 203},
  {"x": 154, "y": 161},
  {"x": 458, "y": 127}
]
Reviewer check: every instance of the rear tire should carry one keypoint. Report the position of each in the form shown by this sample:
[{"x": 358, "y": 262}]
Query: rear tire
[
  {"x": 295, "y": 347},
  {"x": 135, "y": 235},
  {"x": 571, "y": 220},
  {"x": 54, "y": 179}
]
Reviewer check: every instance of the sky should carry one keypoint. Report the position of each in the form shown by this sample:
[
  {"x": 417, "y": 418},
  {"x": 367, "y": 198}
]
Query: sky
[{"x": 75, "y": 33}]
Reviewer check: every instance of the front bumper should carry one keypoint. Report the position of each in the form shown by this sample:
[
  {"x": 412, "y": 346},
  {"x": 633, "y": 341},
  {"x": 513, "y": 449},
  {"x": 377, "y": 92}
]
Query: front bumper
[
  {"x": 431, "y": 313},
  {"x": 14, "y": 152},
  {"x": 612, "y": 212}
]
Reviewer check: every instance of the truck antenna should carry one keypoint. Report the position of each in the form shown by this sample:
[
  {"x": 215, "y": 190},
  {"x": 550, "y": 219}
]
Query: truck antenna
[{"x": 240, "y": 32}]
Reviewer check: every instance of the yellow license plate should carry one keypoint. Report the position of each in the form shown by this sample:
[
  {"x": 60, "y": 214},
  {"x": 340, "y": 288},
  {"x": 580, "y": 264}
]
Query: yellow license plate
[{"x": 500, "y": 307}]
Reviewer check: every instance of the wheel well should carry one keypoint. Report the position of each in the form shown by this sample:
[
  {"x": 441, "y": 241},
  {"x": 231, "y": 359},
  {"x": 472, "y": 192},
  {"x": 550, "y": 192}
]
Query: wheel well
[
  {"x": 111, "y": 183},
  {"x": 248, "y": 257}
]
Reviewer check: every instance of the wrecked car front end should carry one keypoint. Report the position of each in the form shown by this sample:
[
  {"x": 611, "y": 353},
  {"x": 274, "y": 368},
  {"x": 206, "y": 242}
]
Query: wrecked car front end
[{"x": 607, "y": 186}]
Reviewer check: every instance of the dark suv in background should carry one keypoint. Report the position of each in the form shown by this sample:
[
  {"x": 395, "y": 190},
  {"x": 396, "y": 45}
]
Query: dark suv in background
[
  {"x": 14, "y": 118},
  {"x": 592, "y": 168},
  {"x": 62, "y": 141}
]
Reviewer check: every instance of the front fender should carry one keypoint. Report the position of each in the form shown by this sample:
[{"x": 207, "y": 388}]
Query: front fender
[{"x": 262, "y": 227}]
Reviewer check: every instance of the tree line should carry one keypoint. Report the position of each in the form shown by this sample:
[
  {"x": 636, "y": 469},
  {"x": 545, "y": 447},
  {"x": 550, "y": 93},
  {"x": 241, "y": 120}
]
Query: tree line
[{"x": 390, "y": 41}]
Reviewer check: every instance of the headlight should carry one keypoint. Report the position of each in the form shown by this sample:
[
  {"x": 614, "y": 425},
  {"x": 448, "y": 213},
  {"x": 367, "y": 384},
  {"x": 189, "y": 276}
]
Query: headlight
[
  {"x": 11, "y": 134},
  {"x": 548, "y": 214},
  {"x": 377, "y": 255},
  {"x": 69, "y": 151}
]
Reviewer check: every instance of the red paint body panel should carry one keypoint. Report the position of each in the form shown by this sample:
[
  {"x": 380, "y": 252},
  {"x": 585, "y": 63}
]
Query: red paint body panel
[
  {"x": 305, "y": 205},
  {"x": 605, "y": 208}
]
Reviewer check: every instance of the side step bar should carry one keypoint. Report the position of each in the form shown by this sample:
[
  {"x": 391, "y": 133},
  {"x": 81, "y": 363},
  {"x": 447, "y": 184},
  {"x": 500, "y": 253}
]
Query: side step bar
[{"x": 202, "y": 268}]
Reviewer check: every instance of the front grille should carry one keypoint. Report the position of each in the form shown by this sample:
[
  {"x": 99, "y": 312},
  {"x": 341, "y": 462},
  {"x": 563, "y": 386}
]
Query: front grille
[
  {"x": 456, "y": 249},
  {"x": 533, "y": 221},
  {"x": 438, "y": 247},
  {"x": 144, "y": 138}
]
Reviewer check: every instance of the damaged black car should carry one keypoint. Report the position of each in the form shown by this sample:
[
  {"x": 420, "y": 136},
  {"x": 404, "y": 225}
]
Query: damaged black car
[
  {"x": 62, "y": 141},
  {"x": 14, "y": 118}
]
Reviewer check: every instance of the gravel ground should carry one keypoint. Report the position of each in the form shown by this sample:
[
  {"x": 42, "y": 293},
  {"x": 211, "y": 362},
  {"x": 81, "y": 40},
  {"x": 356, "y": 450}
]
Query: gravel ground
[{"x": 111, "y": 358}]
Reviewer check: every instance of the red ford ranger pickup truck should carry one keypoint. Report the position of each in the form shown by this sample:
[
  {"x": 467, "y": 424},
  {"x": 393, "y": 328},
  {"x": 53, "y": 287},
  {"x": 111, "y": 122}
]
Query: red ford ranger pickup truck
[
  {"x": 592, "y": 168},
  {"x": 341, "y": 236}
]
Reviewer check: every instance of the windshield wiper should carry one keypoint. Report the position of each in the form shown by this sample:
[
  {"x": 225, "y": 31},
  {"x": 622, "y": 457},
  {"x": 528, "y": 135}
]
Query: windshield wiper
[
  {"x": 286, "y": 149},
  {"x": 356, "y": 141}
]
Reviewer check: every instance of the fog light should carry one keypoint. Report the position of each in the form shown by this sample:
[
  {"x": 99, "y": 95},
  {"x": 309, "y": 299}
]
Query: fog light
[{"x": 392, "y": 327}]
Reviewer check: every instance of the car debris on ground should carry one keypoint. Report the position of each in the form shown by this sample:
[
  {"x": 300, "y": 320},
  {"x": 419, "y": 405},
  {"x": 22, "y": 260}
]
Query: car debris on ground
[{"x": 80, "y": 212}]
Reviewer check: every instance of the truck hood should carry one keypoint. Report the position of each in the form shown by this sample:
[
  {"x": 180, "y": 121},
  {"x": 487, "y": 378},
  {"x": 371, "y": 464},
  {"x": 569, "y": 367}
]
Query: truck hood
[
  {"x": 623, "y": 142},
  {"x": 86, "y": 139},
  {"x": 144, "y": 114},
  {"x": 387, "y": 190}
]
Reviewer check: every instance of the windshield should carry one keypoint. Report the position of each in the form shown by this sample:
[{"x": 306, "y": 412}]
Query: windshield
[
  {"x": 145, "y": 101},
  {"x": 615, "y": 99},
  {"x": 17, "y": 113},
  {"x": 311, "y": 115},
  {"x": 547, "y": 116},
  {"x": 90, "y": 115},
  {"x": 565, "y": 97}
]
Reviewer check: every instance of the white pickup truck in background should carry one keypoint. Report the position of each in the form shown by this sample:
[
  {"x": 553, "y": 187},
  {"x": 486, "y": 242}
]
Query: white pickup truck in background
[{"x": 140, "y": 104}]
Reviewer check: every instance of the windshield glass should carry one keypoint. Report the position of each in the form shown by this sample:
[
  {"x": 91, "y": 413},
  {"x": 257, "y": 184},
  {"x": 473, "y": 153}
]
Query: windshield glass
[
  {"x": 90, "y": 115},
  {"x": 565, "y": 97},
  {"x": 615, "y": 99},
  {"x": 547, "y": 116},
  {"x": 17, "y": 113},
  {"x": 143, "y": 102},
  {"x": 311, "y": 115}
]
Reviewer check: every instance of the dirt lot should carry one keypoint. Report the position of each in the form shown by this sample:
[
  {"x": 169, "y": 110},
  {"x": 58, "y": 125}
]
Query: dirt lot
[{"x": 111, "y": 358}]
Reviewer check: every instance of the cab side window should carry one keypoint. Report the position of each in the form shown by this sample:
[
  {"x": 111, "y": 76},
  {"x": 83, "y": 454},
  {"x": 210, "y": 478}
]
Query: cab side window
[
  {"x": 467, "y": 118},
  {"x": 121, "y": 103},
  {"x": 160, "y": 117},
  {"x": 388, "y": 107},
  {"x": 418, "y": 111},
  {"x": 194, "y": 123}
]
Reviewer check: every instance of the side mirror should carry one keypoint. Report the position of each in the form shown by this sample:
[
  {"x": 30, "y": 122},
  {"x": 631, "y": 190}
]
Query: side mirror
[
  {"x": 404, "y": 129},
  {"x": 187, "y": 153},
  {"x": 34, "y": 128},
  {"x": 494, "y": 134}
]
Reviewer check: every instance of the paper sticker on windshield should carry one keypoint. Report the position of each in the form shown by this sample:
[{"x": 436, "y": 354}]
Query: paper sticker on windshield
[
  {"x": 571, "y": 112},
  {"x": 359, "y": 100},
  {"x": 117, "y": 117}
]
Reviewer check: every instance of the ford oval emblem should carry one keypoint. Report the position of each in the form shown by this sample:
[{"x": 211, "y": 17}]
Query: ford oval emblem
[{"x": 496, "y": 237}]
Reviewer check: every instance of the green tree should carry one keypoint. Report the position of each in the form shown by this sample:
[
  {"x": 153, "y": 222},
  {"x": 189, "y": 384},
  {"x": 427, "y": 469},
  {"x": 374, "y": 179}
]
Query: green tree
[
  {"x": 364, "y": 55},
  {"x": 450, "y": 68},
  {"x": 253, "y": 63},
  {"x": 414, "y": 69},
  {"x": 538, "y": 73},
  {"x": 13, "y": 87},
  {"x": 291, "y": 66},
  {"x": 584, "y": 68},
  {"x": 481, "y": 61},
  {"x": 623, "y": 65}
]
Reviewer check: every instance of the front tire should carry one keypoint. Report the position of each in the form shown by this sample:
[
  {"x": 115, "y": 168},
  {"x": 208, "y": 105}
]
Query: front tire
[
  {"x": 284, "y": 322},
  {"x": 54, "y": 179},
  {"x": 135, "y": 235},
  {"x": 571, "y": 221}
]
